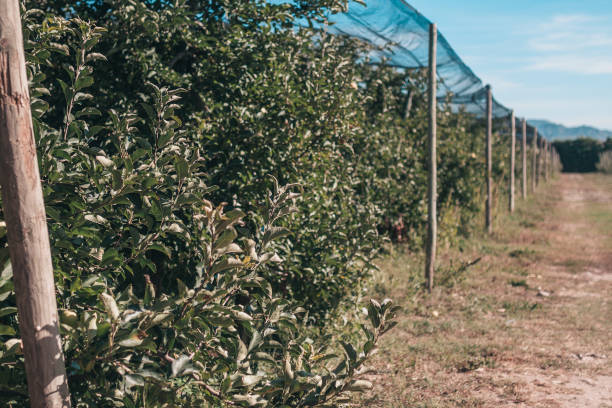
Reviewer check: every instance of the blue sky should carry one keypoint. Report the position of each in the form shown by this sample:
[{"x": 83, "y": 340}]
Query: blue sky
[{"x": 547, "y": 59}]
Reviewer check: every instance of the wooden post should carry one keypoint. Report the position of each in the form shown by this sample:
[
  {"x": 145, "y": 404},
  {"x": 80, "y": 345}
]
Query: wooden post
[
  {"x": 534, "y": 147},
  {"x": 26, "y": 223},
  {"x": 544, "y": 164},
  {"x": 432, "y": 229},
  {"x": 538, "y": 161},
  {"x": 512, "y": 160},
  {"x": 489, "y": 214},
  {"x": 408, "y": 105},
  {"x": 549, "y": 161},
  {"x": 524, "y": 159},
  {"x": 545, "y": 160}
]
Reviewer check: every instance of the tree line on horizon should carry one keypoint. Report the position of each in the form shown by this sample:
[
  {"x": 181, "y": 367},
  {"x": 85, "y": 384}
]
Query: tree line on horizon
[{"x": 584, "y": 155}]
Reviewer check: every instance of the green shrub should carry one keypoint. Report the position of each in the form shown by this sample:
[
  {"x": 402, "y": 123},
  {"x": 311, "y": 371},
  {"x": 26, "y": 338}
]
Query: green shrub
[
  {"x": 264, "y": 98},
  {"x": 172, "y": 106},
  {"x": 162, "y": 297},
  {"x": 605, "y": 162},
  {"x": 580, "y": 155}
]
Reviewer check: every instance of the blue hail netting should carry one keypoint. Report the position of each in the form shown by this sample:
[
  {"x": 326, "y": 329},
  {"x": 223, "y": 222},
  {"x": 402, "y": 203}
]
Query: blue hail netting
[{"x": 400, "y": 36}]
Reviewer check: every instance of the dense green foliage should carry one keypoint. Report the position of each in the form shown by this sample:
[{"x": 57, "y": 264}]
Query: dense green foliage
[
  {"x": 581, "y": 155},
  {"x": 218, "y": 184},
  {"x": 605, "y": 162}
]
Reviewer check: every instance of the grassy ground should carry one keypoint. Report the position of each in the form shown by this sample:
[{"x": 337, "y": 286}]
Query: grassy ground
[{"x": 530, "y": 324}]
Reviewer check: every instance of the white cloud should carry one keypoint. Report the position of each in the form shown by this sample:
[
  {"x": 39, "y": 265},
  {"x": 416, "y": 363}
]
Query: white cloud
[
  {"x": 574, "y": 43},
  {"x": 562, "y": 19},
  {"x": 576, "y": 64},
  {"x": 572, "y": 32}
]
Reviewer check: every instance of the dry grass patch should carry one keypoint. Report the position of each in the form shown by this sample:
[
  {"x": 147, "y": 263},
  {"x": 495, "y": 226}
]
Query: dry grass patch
[{"x": 511, "y": 329}]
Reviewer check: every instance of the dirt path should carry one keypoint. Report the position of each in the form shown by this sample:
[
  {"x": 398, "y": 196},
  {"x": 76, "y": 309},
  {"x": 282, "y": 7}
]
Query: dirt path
[{"x": 529, "y": 326}]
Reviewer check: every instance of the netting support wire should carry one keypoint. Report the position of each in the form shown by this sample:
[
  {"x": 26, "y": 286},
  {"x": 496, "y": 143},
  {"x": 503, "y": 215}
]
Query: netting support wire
[
  {"x": 489, "y": 215},
  {"x": 524, "y": 159},
  {"x": 534, "y": 153},
  {"x": 512, "y": 160},
  {"x": 432, "y": 225}
]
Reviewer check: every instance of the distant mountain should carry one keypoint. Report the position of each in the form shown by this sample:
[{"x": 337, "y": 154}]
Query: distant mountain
[{"x": 559, "y": 132}]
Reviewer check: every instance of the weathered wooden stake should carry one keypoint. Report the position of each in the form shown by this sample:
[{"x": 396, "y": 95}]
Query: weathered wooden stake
[
  {"x": 408, "y": 105},
  {"x": 546, "y": 147},
  {"x": 538, "y": 160},
  {"x": 512, "y": 160},
  {"x": 489, "y": 214},
  {"x": 534, "y": 147},
  {"x": 432, "y": 229},
  {"x": 549, "y": 161},
  {"x": 524, "y": 159},
  {"x": 26, "y": 223}
]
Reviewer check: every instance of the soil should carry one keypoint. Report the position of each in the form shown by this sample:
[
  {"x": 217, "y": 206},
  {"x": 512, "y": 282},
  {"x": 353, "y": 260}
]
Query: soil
[{"x": 531, "y": 324}]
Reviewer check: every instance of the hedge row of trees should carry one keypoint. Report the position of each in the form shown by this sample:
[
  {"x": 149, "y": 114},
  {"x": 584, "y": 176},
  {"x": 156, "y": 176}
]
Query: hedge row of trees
[
  {"x": 218, "y": 184},
  {"x": 582, "y": 155}
]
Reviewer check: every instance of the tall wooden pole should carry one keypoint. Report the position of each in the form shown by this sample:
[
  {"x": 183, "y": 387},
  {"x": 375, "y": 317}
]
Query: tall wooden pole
[
  {"x": 432, "y": 229},
  {"x": 524, "y": 159},
  {"x": 26, "y": 223},
  {"x": 489, "y": 214},
  {"x": 538, "y": 161},
  {"x": 545, "y": 160},
  {"x": 549, "y": 161},
  {"x": 408, "y": 105},
  {"x": 512, "y": 161},
  {"x": 534, "y": 148}
]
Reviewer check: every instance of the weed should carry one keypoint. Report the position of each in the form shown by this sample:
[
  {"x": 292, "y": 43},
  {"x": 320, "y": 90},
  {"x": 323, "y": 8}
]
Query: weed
[
  {"x": 475, "y": 357},
  {"x": 450, "y": 276},
  {"x": 520, "y": 307},
  {"x": 516, "y": 283},
  {"x": 523, "y": 253}
]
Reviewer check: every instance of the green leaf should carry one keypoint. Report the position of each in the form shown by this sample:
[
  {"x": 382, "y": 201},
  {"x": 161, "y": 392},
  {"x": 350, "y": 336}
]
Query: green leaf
[
  {"x": 88, "y": 112},
  {"x": 132, "y": 380},
  {"x": 6, "y": 330},
  {"x": 182, "y": 366},
  {"x": 66, "y": 90},
  {"x": 274, "y": 233},
  {"x": 256, "y": 341},
  {"x": 149, "y": 295},
  {"x": 350, "y": 351},
  {"x": 227, "y": 237},
  {"x": 83, "y": 81},
  {"x": 8, "y": 311},
  {"x": 110, "y": 256},
  {"x": 182, "y": 168},
  {"x": 250, "y": 380},
  {"x": 95, "y": 56},
  {"x": 229, "y": 263},
  {"x": 133, "y": 340},
  {"x": 160, "y": 248},
  {"x": 242, "y": 351}
]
